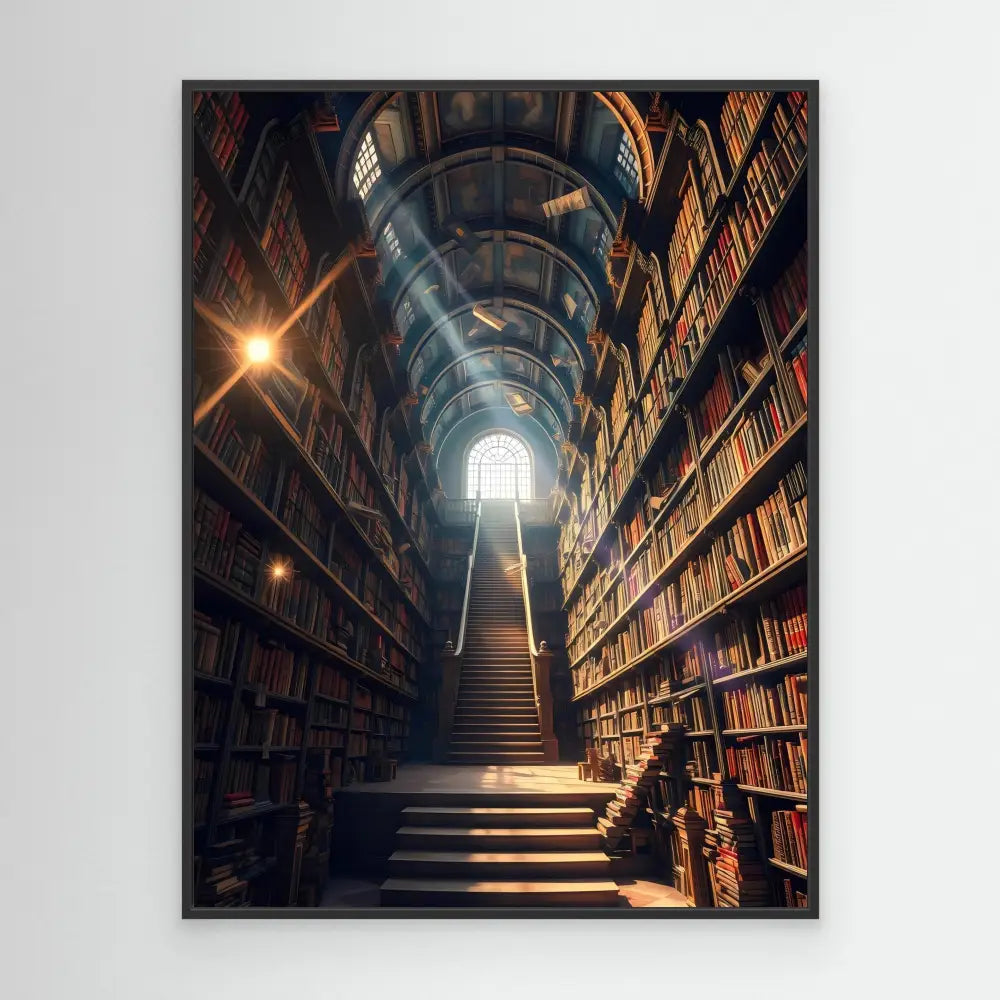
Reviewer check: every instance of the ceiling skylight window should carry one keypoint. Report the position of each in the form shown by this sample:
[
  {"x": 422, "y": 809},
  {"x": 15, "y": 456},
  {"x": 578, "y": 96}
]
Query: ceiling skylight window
[
  {"x": 392, "y": 241},
  {"x": 625, "y": 167},
  {"x": 366, "y": 167}
]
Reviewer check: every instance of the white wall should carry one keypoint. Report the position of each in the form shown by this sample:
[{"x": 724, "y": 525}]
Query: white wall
[{"x": 91, "y": 222}]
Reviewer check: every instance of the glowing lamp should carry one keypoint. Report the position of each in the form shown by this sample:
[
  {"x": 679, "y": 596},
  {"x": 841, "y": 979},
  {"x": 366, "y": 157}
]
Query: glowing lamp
[{"x": 258, "y": 349}]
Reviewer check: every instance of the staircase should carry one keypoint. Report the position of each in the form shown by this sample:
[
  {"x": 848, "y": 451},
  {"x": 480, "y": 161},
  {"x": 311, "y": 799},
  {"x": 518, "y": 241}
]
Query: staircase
[
  {"x": 523, "y": 855},
  {"x": 496, "y": 719},
  {"x": 499, "y": 847}
]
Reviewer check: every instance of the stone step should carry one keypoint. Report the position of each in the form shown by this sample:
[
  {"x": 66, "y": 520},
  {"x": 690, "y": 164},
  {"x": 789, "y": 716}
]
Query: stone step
[
  {"x": 495, "y": 757},
  {"x": 499, "y": 731},
  {"x": 490, "y": 742},
  {"x": 498, "y": 838},
  {"x": 503, "y": 816},
  {"x": 475, "y": 892},
  {"x": 499, "y": 864},
  {"x": 472, "y": 688}
]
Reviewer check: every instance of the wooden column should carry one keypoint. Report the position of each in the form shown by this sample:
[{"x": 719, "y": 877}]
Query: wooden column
[
  {"x": 690, "y": 829},
  {"x": 541, "y": 665}
]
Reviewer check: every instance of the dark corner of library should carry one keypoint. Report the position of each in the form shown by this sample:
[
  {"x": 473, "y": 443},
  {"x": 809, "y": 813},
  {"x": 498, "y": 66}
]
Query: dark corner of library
[{"x": 497, "y": 579}]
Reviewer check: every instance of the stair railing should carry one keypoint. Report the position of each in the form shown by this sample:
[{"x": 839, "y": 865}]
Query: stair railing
[
  {"x": 541, "y": 657},
  {"x": 451, "y": 657}
]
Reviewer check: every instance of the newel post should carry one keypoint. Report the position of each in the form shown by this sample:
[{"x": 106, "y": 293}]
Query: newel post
[
  {"x": 543, "y": 698},
  {"x": 451, "y": 668}
]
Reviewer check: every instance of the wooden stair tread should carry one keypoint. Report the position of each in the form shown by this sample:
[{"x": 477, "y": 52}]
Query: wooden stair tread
[
  {"x": 499, "y": 831},
  {"x": 479, "y": 886},
  {"x": 501, "y": 810},
  {"x": 503, "y": 857}
]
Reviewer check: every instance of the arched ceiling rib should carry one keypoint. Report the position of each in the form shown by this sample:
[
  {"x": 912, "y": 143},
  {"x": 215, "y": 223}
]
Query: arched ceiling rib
[{"x": 489, "y": 289}]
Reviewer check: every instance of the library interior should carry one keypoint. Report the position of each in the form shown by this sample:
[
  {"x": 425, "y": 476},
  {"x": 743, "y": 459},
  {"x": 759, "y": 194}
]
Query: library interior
[{"x": 497, "y": 543}]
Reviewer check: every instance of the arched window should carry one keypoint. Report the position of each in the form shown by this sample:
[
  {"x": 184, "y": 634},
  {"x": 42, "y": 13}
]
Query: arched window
[
  {"x": 367, "y": 169},
  {"x": 499, "y": 468}
]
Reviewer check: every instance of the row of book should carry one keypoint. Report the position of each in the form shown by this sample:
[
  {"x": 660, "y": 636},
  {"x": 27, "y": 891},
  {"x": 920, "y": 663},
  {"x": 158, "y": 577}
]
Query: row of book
[
  {"x": 753, "y": 437},
  {"x": 789, "y": 296},
  {"x": 208, "y": 718},
  {"x": 778, "y": 629},
  {"x": 332, "y": 683},
  {"x": 230, "y": 285},
  {"x": 283, "y": 244},
  {"x": 214, "y": 644},
  {"x": 244, "y": 454},
  {"x": 202, "y": 244},
  {"x": 326, "y": 738},
  {"x": 302, "y": 515},
  {"x": 766, "y": 762},
  {"x": 221, "y": 546},
  {"x": 326, "y": 713},
  {"x": 222, "y": 118},
  {"x": 266, "y": 727},
  {"x": 691, "y": 711},
  {"x": 202, "y": 773},
  {"x": 774, "y": 168},
  {"x": 790, "y": 837},
  {"x": 250, "y": 781},
  {"x": 633, "y": 720},
  {"x": 687, "y": 237},
  {"x": 767, "y": 705},
  {"x": 741, "y": 113},
  {"x": 701, "y": 763},
  {"x": 277, "y": 669},
  {"x": 325, "y": 325},
  {"x": 739, "y": 367},
  {"x": 394, "y": 728},
  {"x": 651, "y": 320}
]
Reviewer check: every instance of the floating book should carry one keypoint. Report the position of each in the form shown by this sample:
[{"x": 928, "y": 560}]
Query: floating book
[
  {"x": 462, "y": 235},
  {"x": 362, "y": 511},
  {"x": 485, "y": 316},
  {"x": 572, "y": 202}
]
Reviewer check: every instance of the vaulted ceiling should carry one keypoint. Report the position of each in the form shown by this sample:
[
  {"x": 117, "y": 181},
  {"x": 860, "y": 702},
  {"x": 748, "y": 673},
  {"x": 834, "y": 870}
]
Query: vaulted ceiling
[{"x": 493, "y": 294}]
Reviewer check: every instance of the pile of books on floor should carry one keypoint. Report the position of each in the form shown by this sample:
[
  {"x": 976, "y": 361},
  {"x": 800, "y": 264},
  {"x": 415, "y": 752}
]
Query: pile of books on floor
[
  {"x": 738, "y": 869},
  {"x": 640, "y": 775},
  {"x": 231, "y": 867}
]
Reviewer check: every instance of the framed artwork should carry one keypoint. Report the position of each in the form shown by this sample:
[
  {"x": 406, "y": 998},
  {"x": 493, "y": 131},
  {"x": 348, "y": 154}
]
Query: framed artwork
[{"x": 500, "y": 583}]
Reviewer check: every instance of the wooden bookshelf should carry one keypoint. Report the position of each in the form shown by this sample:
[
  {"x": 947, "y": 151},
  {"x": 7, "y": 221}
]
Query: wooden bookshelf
[
  {"x": 282, "y": 666},
  {"x": 705, "y": 369}
]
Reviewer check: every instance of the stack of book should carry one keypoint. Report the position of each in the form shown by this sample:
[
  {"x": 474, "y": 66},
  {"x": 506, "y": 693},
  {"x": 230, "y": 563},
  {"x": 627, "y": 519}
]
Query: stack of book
[
  {"x": 230, "y": 867},
  {"x": 633, "y": 792},
  {"x": 737, "y": 866}
]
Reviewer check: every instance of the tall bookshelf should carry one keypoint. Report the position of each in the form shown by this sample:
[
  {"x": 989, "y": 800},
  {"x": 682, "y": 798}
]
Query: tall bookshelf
[
  {"x": 684, "y": 543},
  {"x": 311, "y": 524}
]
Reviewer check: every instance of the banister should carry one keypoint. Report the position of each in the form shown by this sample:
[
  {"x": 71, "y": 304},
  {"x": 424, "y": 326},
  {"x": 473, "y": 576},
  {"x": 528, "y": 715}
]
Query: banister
[
  {"x": 541, "y": 657},
  {"x": 524, "y": 579},
  {"x": 468, "y": 581},
  {"x": 451, "y": 658}
]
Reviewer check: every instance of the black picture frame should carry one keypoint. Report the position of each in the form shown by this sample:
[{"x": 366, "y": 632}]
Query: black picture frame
[{"x": 188, "y": 908}]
